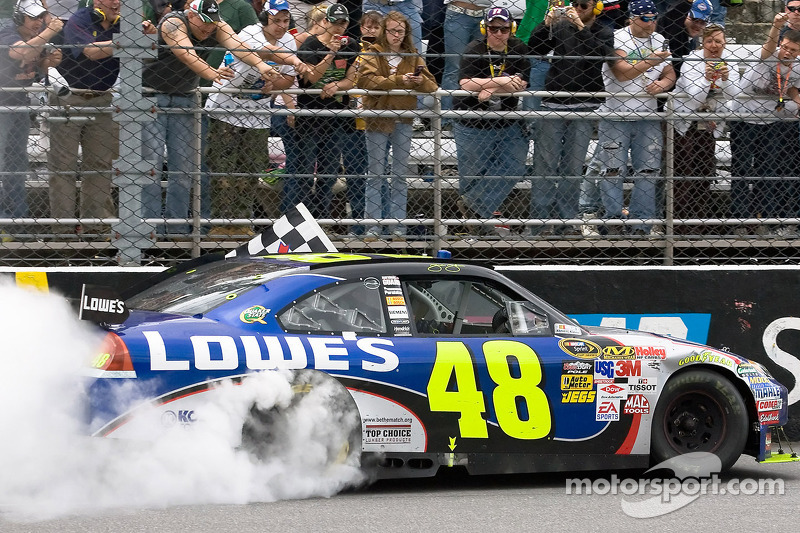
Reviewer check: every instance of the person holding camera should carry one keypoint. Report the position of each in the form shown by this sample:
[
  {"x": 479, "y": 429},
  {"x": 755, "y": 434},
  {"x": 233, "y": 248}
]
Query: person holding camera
[
  {"x": 23, "y": 60},
  {"x": 562, "y": 143},
  {"x": 707, "y": 84},
  {"x": 491, "y": 150},
  {"x": 320, "y": 138},
  {"x": 391, "y": 63}
]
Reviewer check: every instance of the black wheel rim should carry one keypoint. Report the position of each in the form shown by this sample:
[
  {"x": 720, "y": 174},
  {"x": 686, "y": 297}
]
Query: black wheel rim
[{"x": 694, "y": 422}]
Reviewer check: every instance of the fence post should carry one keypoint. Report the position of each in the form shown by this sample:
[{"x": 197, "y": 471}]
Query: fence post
[{"x": 132, "y": 110}]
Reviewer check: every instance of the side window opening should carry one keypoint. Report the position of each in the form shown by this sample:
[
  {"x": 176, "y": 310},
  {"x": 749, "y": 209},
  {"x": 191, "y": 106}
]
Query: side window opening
[{"x": 338, "y": 308}]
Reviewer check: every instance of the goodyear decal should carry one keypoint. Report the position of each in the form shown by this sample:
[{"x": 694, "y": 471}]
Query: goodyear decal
[
  {"x": 707, "y": 357},
  {"x": 579, "y": 348}
]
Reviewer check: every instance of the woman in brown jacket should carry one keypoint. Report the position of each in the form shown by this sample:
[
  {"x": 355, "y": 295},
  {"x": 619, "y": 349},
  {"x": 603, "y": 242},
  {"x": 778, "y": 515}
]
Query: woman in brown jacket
[{"x": 391, "y": 63}]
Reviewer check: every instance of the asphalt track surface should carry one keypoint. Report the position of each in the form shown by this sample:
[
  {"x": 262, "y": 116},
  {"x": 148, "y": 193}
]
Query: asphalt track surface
[{"x": 455, "y": 502}]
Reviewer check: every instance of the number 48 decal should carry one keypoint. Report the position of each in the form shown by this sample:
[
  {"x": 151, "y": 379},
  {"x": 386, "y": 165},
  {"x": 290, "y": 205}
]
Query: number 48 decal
[{"x": 453, "y": 360}]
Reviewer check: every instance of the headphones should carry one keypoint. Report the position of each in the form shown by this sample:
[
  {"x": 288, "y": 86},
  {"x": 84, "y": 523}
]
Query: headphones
[
  {"x": 18, "y": 16},
  {"x": 99, "y": 16},
  {"x": 483, "y": 26},
  {"x": 598, "y": 8},
  {"x": 263, "y": 16}
]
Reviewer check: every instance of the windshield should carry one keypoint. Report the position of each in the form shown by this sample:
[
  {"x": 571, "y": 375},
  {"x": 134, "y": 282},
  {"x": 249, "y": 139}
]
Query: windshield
[{"x": 202, "y": 289}]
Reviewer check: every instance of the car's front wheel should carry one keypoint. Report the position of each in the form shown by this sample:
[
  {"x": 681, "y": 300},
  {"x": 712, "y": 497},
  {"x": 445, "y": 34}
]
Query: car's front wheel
[{"x": 699, "y": 411}]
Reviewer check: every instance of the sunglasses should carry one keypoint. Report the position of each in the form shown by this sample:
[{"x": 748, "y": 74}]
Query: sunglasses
[
  {"x": 698, "y": 21},
  {"x": 793, "y": 9},
  {"x": 648, "y": 18},
  {"x": 499, "y": 29},
  {"x": 582, "y": 5}
]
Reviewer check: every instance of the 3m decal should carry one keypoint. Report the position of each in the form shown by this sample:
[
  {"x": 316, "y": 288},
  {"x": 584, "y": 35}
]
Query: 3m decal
[
  {"x": 455, "y": 364},
  {"x": 628, "y": 368}
]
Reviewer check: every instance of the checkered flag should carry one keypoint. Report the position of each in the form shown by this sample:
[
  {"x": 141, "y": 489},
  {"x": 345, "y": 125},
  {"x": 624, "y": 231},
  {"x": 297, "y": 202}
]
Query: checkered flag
[{"x": 296, "y": 231}]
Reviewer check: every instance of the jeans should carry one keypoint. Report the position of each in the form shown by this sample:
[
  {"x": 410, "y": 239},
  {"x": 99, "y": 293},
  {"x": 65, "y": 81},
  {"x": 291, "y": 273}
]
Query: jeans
[
  {"x": 386, "y": 195},
  {"x": 355, "y": 162},
  {"x": 411, "y": 9},
  {"x": 14, "y": 163},
  {"x": 644, "y": 140},
  {"x": 459, "y": 31},
  {"x": 558, "y": 158},
  {"x": 539, "y": 70},
  {"x": 319, "y": 150},
  {"x": 279, "y": 126},
  {"x": 490, "y": 163},
  {"x": 176, "y": 132}
]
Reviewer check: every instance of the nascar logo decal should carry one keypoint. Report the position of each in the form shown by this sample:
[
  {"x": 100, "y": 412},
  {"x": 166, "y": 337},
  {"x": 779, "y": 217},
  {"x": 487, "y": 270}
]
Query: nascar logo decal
[{"x": 580, "y": 348}]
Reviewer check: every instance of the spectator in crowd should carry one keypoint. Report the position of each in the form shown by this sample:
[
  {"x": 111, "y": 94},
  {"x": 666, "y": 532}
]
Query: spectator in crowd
[
  {"x": 354, "y": 155},
  {"x": 239, "y": 140},
  {"x": 392, "y": 64},
  {"x": 411, "y": 9},
  {"x": 301, "y": 12},
  {"x": 462, "y": 25},
  {"x": 535, "y": 12},
  {"x": 313, "y": 23},
  {"x": 185, "y": 38},
  {"x": 761, "y": 148},
  {"x": 491, "y": 152},
  {"x": 154, "y": 10},
  {"x": 22, "y": 38},
  {"x": 562, "y": 144},
  {"x": 90, "y": 70},
  {"x": 314, "y": 20},
  {"x": 614, "y": 14},
  {"x": 641, "y": 66},
  {"x": 707, "y": 84},
  {"x": 682, "y": 30},
  {"x": 320, "y": 138},
  {"x": 788, "y": 19}
]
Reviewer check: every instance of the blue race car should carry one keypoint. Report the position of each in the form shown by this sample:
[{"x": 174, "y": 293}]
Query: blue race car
[{"x": 425, "y": 363}]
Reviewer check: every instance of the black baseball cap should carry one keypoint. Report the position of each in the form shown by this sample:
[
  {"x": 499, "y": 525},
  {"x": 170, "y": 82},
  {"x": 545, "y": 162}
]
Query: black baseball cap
[
  {"x": 337, "y": 13},
  {"x": 207, "y": 9}
]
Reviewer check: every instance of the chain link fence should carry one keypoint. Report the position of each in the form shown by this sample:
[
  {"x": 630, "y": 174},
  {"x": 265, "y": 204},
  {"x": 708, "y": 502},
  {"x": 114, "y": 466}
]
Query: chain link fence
[{"x": 705, "y": 174}]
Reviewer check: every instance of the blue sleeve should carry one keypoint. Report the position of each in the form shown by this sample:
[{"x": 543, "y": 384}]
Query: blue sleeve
[{"x": 78, "y": 30}]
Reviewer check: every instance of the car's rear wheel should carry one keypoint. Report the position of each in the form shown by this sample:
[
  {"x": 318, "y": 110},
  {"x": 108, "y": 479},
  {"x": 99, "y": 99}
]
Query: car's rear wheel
[
  {"x": 699, "y": 411},
  {"x": 321, "y": 415}
]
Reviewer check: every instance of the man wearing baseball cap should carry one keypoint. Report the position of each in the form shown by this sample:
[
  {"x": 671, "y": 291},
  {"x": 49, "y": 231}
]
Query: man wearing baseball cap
[
  {"x": 21, "y": 64},
  {"x": 491, "y": 151},
  {"x": 641, "y": 66},
  {"x": 320, "y": 139},
  {"x": 185, "y": 40},
  {"x": 682, "y": 27}
]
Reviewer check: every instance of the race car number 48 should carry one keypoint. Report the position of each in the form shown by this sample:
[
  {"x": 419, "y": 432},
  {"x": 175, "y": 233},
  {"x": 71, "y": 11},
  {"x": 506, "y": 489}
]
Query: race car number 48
[{"x": 453, "y": 359}]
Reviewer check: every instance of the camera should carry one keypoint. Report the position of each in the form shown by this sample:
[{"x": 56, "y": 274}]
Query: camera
[
  {"x": 560, "y": 11},
  {"x": 343, "y": 39}
]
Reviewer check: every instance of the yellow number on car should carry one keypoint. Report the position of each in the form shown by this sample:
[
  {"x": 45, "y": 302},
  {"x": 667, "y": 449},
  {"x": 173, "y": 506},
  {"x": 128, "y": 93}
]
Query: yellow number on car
[
  {"x": 454, "y": 360},
  {"x": 509, "y": 388},
  {"x": 454, "y": 364}
]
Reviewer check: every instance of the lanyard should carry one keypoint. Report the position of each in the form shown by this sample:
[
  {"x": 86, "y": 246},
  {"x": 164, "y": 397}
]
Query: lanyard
[
  {"x": 783, "y": 86},
  {"x": 491, "y": 63}
]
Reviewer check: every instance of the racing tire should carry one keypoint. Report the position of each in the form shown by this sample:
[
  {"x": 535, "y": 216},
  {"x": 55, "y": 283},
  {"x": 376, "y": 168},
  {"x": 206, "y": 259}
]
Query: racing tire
[
  {"x": 699, "y": 411},
  {"x": 266, "y": 432}
]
